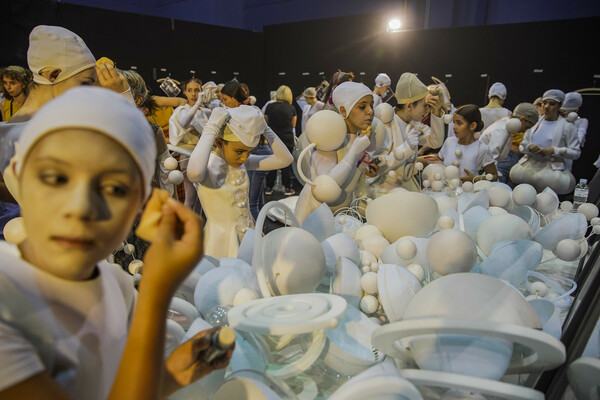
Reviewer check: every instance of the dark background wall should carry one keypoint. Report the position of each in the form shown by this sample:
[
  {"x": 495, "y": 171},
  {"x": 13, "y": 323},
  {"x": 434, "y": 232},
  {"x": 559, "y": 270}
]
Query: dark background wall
[{"x": 296, "y": 53}]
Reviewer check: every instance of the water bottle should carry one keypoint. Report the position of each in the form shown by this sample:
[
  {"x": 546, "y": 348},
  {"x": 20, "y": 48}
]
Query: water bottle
[
  {"x": 581, "y": 194},
  {"x": 278, "y": 186}
]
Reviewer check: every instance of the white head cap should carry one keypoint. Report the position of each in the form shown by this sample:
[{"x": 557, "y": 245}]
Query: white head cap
[
  {"x": 554, "y": 94},
  {"x": 247, "y": 123},
  {"x": 347, "y": 94},
  {"x": 57, "y": 48},
  {"x": 383, "y": 80},
  {"x": 573, "y": 101},
  {"x": 100, "y": 110},
  {"x": 497, "y": 89},
  {"x": 410, "y": 89}
]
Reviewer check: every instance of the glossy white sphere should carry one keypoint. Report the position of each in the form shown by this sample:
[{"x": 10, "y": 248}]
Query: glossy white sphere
[
  {"x": 385, "y": 112},
  {"x": 446, "y": 222},
  {"x": 369, "y": 304},
  {"x": 467, "y": 187},
  {"x": 170, "y": 163},
  {"x": 524, "y": 194},
  {"x": 327, "y": 129},
  {"x": 568, "y": 249},
  {"x": 406, "y": 249},
  {"x": 596, "y": 229},
  {"x": 451, "y": 251},
  {"x": 368, "y": 282},
  {"x": 589, "y": 210},
  {"x": 175, "y": 177}
]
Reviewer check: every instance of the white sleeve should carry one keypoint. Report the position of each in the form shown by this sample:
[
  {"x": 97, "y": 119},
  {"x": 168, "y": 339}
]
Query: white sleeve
[
  {"x": 198, "y": 163},
  {"x": 572, "y": 149},
  {"x": 495, "y": 139},
  {"x": 484, "y": 157},
  {"x": 325, "y": 163},
  {"x": 582, "y": 126},
  {"x": 186, "y": 115},
  {"x": 443, "y": 153},
  {"x": 18, "y": 357},
  {"x": 433, "y": 136},
  {"x": 280, "y": 158}
]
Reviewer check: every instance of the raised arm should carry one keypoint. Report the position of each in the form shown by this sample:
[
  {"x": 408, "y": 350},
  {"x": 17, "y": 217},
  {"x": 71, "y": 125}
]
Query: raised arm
[{"x": 196, "y": 169}]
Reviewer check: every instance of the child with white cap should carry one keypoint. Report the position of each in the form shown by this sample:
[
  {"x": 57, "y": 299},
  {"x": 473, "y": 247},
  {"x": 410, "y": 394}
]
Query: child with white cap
[
  {"x": 71, "y": 325},
  {"x": 573, "y": 101},
  {"x": 218, "y": 165},
  {"x": 354, "y": 102},
  {"x": 551, "y": 145},
  {"x": 312, "y": 106},
  {"x": 382, "y": 85},
  {"x": 495, "y": 109},
  {"x": 407, "y": 132}
]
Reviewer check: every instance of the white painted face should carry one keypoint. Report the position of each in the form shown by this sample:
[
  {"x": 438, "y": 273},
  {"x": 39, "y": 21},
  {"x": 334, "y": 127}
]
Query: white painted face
[{"x": 80, "y": 192}]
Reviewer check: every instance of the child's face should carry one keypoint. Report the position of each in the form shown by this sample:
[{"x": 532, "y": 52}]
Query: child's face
[
  {"x": 418, "y": 110},
  {"x": 462, "y": 128},
  {"x": 192, "y": 90},
  {"x": 80, "y": 192},
  {"x": 361, "y": 114},
  {"x": 235, "y": 153}
]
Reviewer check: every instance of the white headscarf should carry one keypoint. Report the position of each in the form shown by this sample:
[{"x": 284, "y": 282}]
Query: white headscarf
[
  {"x": 247, "y": 123},
  {"x": 347, "y": 94},
  {"x": 100, "y": 110}
]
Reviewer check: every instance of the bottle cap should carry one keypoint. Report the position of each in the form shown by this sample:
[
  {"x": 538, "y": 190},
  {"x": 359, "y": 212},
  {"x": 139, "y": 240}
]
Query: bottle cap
[{"x": 226, "y": 337}]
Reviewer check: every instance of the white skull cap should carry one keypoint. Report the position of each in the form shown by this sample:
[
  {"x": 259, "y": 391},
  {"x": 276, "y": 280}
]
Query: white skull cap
[
  {"x": 247, "y": 123},
  {"x": 497, "y": 89},
  {"x": 554, "y": 94},
  {"x": 56, "y": 47},
  {"x": 383, "y": 80},
  {"x": 347, "y": 94},
  {"x": 100, "y": 110},
  {"x": 410, "y": 89},
  {"x": 573, "y": 101}
]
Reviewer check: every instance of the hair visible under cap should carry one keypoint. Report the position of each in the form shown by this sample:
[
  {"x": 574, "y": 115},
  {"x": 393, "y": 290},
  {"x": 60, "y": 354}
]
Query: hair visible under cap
[{"x": 471, "y": 113}]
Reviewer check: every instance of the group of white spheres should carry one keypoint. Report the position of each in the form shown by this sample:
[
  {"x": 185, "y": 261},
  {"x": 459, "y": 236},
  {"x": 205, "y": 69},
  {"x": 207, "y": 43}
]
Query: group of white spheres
[
  {"x": 175, "y": 176},
  {"x": 450, "y": 251}
]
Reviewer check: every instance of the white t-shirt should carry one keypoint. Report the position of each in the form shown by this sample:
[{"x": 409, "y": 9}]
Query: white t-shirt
[
  {"x": 491, "y": 115},
  {"x": 473, "y": 157},
  {"x": 497, "y": 138},
  {"x": 544, "y": 134},
  {"x": 74, "y": 330}
]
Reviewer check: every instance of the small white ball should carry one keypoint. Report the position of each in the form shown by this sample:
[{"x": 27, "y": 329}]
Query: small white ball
[
  {"x": 406, "y": 249},
  {"x": 437, "y": 186},
  {"x": 366, "y": 269},
  {"x": 572, "y": 116},
  {"x": 589, "y": 210},
  {"x": 596, "y": 229},
  {"x": 595, "y": 221},
  {"x": 368, "y": 282},
  {"x": 369, "y": 304},
  {"x": 135, "y": 266},
  {"x": 426, "y": 183},
  {"x": 447, "y": 118},
  {"x": 437, "y": 176},
  {"x": 374, "y": 267},
  {"x": 417, "y": 271},
  {"x": 513, "y": 125},
  {"x": 538, "y": 288},
  {"x": 566, "y": 206},
  {"x": 170, "y": 163},
  {"x": 419, "y": 166},
  {"x": 454, "y": 182},
  {"x": 334, "y": 323},
  {"x": 175, "y": 177},
  {"x": 467, "y": 186},
  {"x": 129, "y": 248},
  {"x": 568, "y": 249},
  {"x": 446, "y": 222},
  {"x": 489, "y": 177},
  {"x": 456, "y": 163},
  {"x": 392, "y": 174},
  {"x": 341, "y": 221},
  {"x": 458, "y": 153}
]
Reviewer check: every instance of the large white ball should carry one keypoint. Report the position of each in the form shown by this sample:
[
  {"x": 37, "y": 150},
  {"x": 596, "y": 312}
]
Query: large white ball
[
  {"x": 499, "y": 197},
  {"x": 403, "y": 214},
  {"x": 385, "y": 112},
  {"x": 326, "y": 189},
  {"x": 366, "y": 231},
  {"x": 327, "y": 129},
  {"x": 568, "y": 249},
  {"x": 175, "y": 177},
  {"x": 501, "y": 227},
  {"x": 513, "y": 125},
  {"x": 451, "y": 251},
  {"x": 545, "y": 203},
  {"x": 451, "y": 172},
  {"x": 524, "y": 194},
  {"x": 589, "y": 210}
]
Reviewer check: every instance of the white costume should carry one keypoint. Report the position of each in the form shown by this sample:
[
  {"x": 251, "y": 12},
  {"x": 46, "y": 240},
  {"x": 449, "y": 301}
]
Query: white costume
[
  {"x": 74, "y": 330},
  {"x": 473, "y": 157},
  {"x": 184, "y": 121},
  {"x": 222, "y": 188},
  {"x": 497, "y": 138},
  {"x": 491, "y": 115}
]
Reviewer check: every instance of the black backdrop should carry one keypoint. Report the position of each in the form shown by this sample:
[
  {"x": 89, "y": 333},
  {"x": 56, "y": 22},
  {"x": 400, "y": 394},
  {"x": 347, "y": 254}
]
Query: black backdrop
[{"x": 565, "y": 51}]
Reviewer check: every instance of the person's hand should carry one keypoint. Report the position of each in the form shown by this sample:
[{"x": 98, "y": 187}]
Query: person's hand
[
  {"x": 185, "y": 364},
  {"x": 546, "y": 151},
  {"x": 412, "y": 138},
  {"x": 218, "y": 117},
  {"x": 110, "y": 78},
  {"x": 176, "y": 249},
  {"x": 534, "y": 148},
  {"x": 366, "y": 132},
  {"x": 469, "y": 177},
  {"x": 436, "y": 103}
]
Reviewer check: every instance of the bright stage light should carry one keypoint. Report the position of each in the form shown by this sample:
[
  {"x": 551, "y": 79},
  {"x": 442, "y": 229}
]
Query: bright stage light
[{"x": 394, "y": 25}]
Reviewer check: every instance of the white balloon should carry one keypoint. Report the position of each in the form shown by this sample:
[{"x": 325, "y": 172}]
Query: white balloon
[
  {"x": 589, "y": 210},
  {"x": 170, "y": 163},
  {"x": 524, "y": 194},
  {"x": 369, "y": 304},
  {"x": 175, "y": 177},
  {"x": 368, "y": 282},
  {"x": 406, "y": 249},
  {"x": 568, "y": 249}
]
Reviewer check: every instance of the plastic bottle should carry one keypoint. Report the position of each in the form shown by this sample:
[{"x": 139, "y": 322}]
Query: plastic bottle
[
  {"x": 222, "y": 340},
  {"x": 278, "y": 187},
  {"x": 580, "y": 195}
]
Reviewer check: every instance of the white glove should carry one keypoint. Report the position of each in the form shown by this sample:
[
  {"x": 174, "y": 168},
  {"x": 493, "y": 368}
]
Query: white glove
[
  {"x": 217, "y": 119},
  {"x": 359, "y": 146},
  {"x": 412, "y": 138}
]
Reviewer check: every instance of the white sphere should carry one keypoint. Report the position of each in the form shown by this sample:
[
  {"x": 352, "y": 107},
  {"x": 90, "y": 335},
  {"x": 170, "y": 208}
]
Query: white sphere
[
  {"x": 437, "y": 186},
  {"x": 175, "y": 177},
  {"x": 501, "y": 227},
  {"x": 366, "y": 269},
  {"x": 538, "y": 289},
  {"x": 456, "y": 163},
  {"x": 451, "y": 251},
  {"x": 327, "y": 129},
  {"x": 374, "y": 267},
  {"x": 368, "y": 282},
  {"x": 369, "y": 304},
  {"x": 447, "y": 118},
  {"x": 499, "y": 197},
  {"x": 426, "y": 184},
  {"x": 419, "y": 166},
  {"x": 366, "y": 231},
  {"x": 434, "y": 172},
  {"x": 524, "y": 194},
  {"x": 566, "y": 206},
  {"x": 367, "y": 258},
  {"x": 446, "y": 222},
  {"x": 417, "y": 270},
  {"x": 458, "y": 153},
  {"x": 545, "y": 203},
  {"x": 374, "y": 244},
  {"x": 497, "y": 210},
  {"x": 402, "y": 214},
  {"x": 326, "y": 189},
  {"x": 14, "y": 231},
  {"x": 589, "y": 210},
  {"x": 252, "y": 100},
  {"x": 341, "y": 221},
  {"x": 406, "y": 249},
  {"x": 135, "y": 266},
  {"x": 568, "y": 250},
  {"x": 129, "y": 248},
  {"x": 596, "y": 229},
  {"x": 451, "y": 172},
  {"x": 572, "y": 116},
  {"x": 455, "y": 182},
  {"x": 244, "y": 295},
  {"x": 170, "y": 163},
  {"x": 467, "y": 187},
  {"x": 489, "y": 177},
  {"x": 384, "y": 112},
  {"x": 513, "y": 125},
  {"x": 595, "y": 221},
  {"x": 437, "y": 176}
]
